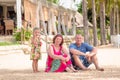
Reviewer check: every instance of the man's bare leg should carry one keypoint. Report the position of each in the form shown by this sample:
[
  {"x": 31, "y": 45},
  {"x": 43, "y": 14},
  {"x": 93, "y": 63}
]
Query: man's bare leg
[
  {"x": 95, "y": 61},
  {"x": 79, "y": 63}
]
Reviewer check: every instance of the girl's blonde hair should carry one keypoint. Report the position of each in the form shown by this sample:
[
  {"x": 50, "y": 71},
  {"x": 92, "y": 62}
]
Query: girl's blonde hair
[{"x": 35, "y": 28}]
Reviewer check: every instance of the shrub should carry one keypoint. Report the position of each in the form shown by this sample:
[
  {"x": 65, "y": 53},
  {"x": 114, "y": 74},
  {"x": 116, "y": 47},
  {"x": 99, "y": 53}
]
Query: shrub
[{"x": 24, "y": 34}]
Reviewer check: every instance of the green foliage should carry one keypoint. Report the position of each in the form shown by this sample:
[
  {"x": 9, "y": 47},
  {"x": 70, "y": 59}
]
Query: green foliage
[
  {"x": 17, "y": 36},
  {"x": 26, "y": 34},
  {"x": 89, "y": 14},
  {"x": 79, "y": 31},
  {"x": 53, "y": 1},
  {"x": 107, "y": 20},
  {"x": 98, "y": 32},
  {"x": 79, "y": 8},
  {"x": 99, "y": 35},
  {"x": 108, "y": 36},
  {"x": 8, "y": 43}
]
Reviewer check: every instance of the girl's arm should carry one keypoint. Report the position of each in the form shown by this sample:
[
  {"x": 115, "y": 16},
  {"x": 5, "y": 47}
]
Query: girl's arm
[
  {"x": 39, "y": 38},
  {"x": 32, "y": 45},
  {"x": 52, "y": 55}
]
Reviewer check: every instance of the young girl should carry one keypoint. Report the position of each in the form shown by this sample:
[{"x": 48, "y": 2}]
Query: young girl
[
  {"x": 58, "y": 57},
  {"x": 35, "y": 49}
]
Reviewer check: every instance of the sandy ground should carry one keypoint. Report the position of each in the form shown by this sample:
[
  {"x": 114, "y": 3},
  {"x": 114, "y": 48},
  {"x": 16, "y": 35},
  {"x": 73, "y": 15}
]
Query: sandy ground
[{"x": 17, "y": 66}]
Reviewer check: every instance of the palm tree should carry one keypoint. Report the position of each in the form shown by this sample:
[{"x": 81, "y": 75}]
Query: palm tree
[
  {"x": 94, "y": 23},
  {"x": 114, "y": 6},
  {"x": 85, "y": 23},
  {"x": 112, "y": 18},
  {"x": 102, "y": 22},
  {"x": 118, "y": 16}
]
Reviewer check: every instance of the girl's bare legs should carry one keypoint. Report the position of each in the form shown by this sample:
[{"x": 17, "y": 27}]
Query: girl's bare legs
[
  {"x": 35, "y": 65},
  {"x": 35, "y": 68}
]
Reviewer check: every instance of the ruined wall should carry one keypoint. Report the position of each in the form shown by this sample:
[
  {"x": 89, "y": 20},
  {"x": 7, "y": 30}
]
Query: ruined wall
[{"x": 30, "y": 13}]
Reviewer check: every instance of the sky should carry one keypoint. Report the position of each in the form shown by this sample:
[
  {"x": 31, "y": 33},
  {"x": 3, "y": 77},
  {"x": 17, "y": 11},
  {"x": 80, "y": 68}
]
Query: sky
[{"x": 69, "y": 4}]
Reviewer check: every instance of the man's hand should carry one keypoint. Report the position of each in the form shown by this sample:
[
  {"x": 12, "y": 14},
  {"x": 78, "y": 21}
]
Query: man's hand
[{"x": 88, "y": 56}]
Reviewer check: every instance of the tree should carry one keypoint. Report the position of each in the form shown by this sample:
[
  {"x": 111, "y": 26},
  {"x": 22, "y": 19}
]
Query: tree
[
  {"x": 85, "y": 20},
  {"x": 79, "y": 8},
  {"x": 102, "y": 22},
  {"x": 94, "y": 23},
  {"x": 114, "y": 7},
  {"x": 111, "y": 16}
]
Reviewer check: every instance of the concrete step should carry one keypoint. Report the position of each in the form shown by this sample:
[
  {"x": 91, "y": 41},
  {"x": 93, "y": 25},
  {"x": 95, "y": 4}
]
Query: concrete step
[
  {"x": 10, "y": 52},
  {"x": 12, "y": 49},
  {"x": 8, "y": 38}
]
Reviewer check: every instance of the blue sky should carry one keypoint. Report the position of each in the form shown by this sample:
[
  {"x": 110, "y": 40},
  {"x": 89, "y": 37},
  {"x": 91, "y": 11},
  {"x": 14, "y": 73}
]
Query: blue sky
[{"x": 69, "y": 3}]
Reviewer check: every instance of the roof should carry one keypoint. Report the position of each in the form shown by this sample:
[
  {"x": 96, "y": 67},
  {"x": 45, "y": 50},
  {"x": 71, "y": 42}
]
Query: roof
[
  {"x": 7, "y": 2},
  {"x": 79, "y": 20}
]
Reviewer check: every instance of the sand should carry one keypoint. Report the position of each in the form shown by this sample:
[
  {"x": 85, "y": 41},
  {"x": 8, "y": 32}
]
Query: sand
[{"x": 17, "y": 66}]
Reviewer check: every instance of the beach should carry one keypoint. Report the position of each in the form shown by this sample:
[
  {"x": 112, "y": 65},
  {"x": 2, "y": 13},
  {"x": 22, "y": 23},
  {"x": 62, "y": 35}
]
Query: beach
[{"x": 15, "y": 65}]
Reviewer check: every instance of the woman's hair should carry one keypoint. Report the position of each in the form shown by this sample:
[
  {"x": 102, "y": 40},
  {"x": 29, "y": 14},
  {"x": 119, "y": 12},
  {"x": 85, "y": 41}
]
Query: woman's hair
[{"x": 58, "y": 35}]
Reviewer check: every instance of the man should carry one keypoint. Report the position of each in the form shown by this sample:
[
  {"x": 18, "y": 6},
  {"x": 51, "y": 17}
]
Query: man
[{"x": 83, "y": 54}]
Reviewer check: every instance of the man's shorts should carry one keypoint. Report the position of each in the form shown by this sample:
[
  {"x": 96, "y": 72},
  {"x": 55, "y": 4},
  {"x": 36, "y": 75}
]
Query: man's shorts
[{"x": 84, "y": 61}]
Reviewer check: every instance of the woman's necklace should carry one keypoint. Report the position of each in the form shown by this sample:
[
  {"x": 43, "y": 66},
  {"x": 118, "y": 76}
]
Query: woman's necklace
[{"x": 56, "y": 47}]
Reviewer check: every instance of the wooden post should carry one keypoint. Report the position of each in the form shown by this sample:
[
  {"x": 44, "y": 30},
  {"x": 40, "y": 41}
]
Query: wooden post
[
  {"x": 19, "y": 19},
  {"x": 5, "y": 11},
  {"x": 66, "y": 23},
  {"x": 59, "y": 22},
  {"x": 42, "y": 18},
  {"x": 63, "y": 25},
  {"x": 38, "y": 16},
  {"x": 19, "y": 16},
  {"x": 74, "y": 27},
  {"x": 53, "y": 22},
  {"x": 49, "y": 22}
]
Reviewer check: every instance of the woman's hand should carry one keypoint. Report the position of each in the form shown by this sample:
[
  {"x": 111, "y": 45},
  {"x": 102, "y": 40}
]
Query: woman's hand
[
  {"x": 62, "y": 58},
  {"x": 67, "y": 59}
]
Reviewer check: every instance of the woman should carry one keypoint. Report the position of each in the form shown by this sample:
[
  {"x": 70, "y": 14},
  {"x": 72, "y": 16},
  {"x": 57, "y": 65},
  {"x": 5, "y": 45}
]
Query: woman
[{"x": 58, "y": 57}]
